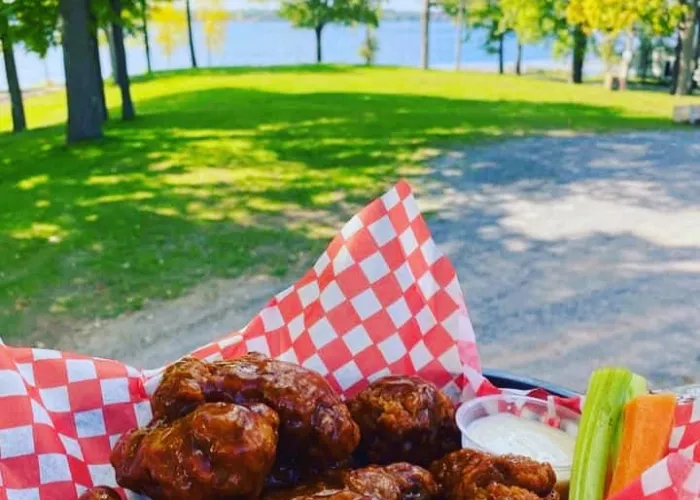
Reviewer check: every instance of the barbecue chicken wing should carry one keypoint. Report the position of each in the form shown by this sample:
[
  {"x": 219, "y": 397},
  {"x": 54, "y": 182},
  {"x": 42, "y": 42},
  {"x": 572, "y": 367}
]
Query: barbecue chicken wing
[
  {"x": 100, "y": 493},
  {"x": 404, "y": 418},
  {"x": 332, "y": 495},
  {"x": 316, "y": 429},
  {"x": 472, "y": 475},
  {"x": 219, "y": 450},
  {"x": 498, "y": 491},
  {"x": 526, "y": 473},
  {"x": 464, "y": 473},
  {"x": 398, "y": 481}
]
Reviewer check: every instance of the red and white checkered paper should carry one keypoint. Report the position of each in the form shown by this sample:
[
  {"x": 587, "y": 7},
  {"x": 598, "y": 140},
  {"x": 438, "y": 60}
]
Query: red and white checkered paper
[{"x": 381, "y": 299}]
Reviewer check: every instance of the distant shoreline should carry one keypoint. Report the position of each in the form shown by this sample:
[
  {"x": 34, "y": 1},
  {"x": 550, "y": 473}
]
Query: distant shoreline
[{"x": 386, "y": 15}]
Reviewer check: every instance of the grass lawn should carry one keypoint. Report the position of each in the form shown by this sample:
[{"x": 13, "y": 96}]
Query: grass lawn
[{"x": 239, "y": 170}]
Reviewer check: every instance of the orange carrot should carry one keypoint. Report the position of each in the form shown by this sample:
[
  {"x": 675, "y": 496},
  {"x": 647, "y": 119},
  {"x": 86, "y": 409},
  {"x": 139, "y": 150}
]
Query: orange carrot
[{"x": 646, "y": 429}]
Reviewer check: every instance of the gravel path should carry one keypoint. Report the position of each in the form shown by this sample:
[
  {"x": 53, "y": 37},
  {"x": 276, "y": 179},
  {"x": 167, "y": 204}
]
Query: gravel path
[
  {"x": 573, "y": 252},
  {"x": 578, "y": 252}
]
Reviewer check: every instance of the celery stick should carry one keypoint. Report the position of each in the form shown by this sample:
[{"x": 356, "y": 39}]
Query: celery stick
[
  {"x": 607, "y": 389},
  {"x": 638, "y": 385}
]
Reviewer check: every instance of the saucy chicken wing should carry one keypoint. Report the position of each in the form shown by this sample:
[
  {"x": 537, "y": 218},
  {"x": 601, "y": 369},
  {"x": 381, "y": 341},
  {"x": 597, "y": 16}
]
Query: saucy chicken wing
[
  {"x": 526, "y": 473},
  {"x": 400, "y": 481},
  {"x": 315, "y": 425},
  {"x": 463, "y": 473},
  {"x": 100, "y": 493},
  {"x": 332, "y": 495},
  {"x": 404, "y": 418},
  {"x": 498, "y": 491},
  {"x": 219, "y": 450},
  {"x": 472, "y": 475}
]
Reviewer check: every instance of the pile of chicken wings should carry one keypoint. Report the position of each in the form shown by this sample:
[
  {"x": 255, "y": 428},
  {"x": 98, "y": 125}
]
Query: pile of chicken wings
[{"x": 259, "y": 428}]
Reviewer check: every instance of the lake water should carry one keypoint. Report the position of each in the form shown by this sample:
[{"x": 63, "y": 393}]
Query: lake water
[{"x": 277, "y": 42}]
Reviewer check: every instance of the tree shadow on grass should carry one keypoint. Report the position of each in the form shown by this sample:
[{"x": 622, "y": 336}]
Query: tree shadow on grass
[{"x": 218, "y": 182}]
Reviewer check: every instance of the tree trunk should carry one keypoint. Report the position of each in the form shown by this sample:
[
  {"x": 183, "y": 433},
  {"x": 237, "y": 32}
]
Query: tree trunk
[
  {"x": 425, "y": 26},
  {"x": 193, "y": 58},
  {"x": 675, "y": 71},
  {"x": 19, "y": 123},
  {"x": 319, "y": 53},
  {"x": 95, "y": 47},
  {"x": 694, "y": 83},
  {"x": 500, "y": 54},
  {"x": 144, "y": 28},
  {"x": 687, "y": 64},
  {"x": 112, "y": 55},
  {"x": 460, "y": 34},
  {"x": 644, "y": 59},
  {"x": 519, "y": 59},
  {"x": 120, "y": 56},
  {"x": 580, "y": 42},
  {"x": 626, "y": 61},
  {"x": 368, "y": 45},
  {"x": 82, "y": 92}
]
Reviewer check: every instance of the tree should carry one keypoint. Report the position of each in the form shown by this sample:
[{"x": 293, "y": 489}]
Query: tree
[
  {"x": 687, "y": 61},
  {"x": 122, "y": 75},
  {"x": 425, "y": 35},
  {"x": 370, "y": 46},
  {"x": 214, "y": 18},
  {"x": 171, "y": 28},
  {"x": 533, "y": 21},
  {"x": 95, "y": 45},
  {"x": 461, "y": 9},
  {"x": 84, "y": 114},
  {"x": 613, "y": 19},
  {"x": 190, "y": 39},
  {"x": 144, "y": 31},
  {"x": 488, "y": 15},
  {"x": 580, "y": 44},
  {"x": 19, "y": 122},
  {"x": 528, "y": 20},
  {"x": 485, "y": 15},
  {"x": 317, "y": 14}
]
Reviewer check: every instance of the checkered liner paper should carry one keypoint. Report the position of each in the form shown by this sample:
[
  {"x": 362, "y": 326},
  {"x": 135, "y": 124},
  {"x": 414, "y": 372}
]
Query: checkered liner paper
[{"x": 381, "y": 299}]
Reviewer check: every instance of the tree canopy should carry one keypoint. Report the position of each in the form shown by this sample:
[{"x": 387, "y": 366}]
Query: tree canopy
[
  {"x": 612, "y": 17},
  {"x": 315, "y": 13}
]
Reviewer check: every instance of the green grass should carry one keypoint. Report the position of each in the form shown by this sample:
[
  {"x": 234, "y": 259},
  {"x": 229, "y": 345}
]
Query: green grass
[{"x": 239, "y": 170}]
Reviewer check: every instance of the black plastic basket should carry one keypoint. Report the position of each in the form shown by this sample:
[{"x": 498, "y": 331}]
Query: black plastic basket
[{"x": 507, "y": 380}]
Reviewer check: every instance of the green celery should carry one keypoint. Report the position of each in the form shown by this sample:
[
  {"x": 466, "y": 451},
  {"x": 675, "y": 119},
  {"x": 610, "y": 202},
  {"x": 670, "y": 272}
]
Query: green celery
[{"x": 607, "y": 390}]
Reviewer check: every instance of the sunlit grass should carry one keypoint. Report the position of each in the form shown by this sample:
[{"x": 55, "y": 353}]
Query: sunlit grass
[{"x": 228, "y": 171}]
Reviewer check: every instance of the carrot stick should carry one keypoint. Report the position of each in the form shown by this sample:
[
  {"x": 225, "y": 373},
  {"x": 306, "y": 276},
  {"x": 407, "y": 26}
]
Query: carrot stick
[{"x": 646, "y": 429}]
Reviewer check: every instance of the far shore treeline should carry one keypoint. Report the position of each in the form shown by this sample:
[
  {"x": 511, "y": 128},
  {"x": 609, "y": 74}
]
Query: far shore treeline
[{"x": 623, "y": 35}]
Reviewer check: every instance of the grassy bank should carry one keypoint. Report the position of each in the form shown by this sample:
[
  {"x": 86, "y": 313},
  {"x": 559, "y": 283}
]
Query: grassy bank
[{"x": 241, "y": 170}]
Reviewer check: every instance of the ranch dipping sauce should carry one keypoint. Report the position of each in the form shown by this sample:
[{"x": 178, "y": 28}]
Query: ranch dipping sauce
[{"x": 505, "y": 433}]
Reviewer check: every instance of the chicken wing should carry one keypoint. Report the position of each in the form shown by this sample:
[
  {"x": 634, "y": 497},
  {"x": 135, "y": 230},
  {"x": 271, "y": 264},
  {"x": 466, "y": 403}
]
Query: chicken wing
[
  {"x": 463, "y": 474},
  {"x": 100, "y": 493},
  {"x": 404, "y": 418},
  {"x": 400, "y": 481},
  {"x": 331, "y": 494},
  {"x": 526, "y": 473},
  {"x": 392, "y": 482},
  {"x": 472, "y": 475},
  {"x": 315, "y": 425},
  {"x": 219, "y": 450},
  {"x": 498, "y": 491}
]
